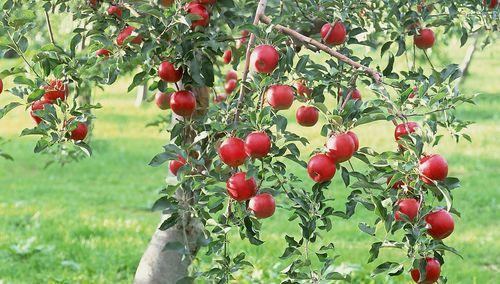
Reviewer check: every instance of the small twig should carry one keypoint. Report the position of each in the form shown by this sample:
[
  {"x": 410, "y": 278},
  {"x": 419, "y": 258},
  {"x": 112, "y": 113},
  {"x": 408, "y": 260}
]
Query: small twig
[
  {"x": 428, "y": 59},
  {"x": 49, "y": 27},
  {"x": 350, "y": 89},
  {"x": 20, "y": 53}
]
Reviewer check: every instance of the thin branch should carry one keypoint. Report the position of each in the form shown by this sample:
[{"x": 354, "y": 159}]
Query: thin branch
[
  {"x": 49, "y": 27},
  {"x": 350, "y": 89},
  {"x": 431, "y": 112},
  {"x": 20, "y": 53}
]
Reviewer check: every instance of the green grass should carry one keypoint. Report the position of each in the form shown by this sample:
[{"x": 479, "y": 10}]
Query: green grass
[{"x": 89, "y": 222}]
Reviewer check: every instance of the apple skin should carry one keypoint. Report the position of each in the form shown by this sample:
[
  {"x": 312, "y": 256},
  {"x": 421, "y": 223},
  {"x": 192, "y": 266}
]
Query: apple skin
[
  {"x": 228, "y": 56},
  {"x": 355, "y": 139},
  {"x": 102, "y": 52},
  {"x": 232, "y": 152},
  {"x": 302, "y": 89},
  {"x": 397, "y": 185},
  {"x": 240, "y": 188},
  {"x": 321, "y": 168},
  {"x": 441, "y": 224},
  {"x": 168, "y": 73},
  {"x": 432, "y": 272},
  {"x": 231, "y": 75},
  {"x": 125, "y": 33},
  {"x": 425, "y": 39},
  {"x": 183, "y": 103},
  {"x": 115, "y": 10},
  {"x": 220, "y": 97},
  {"x": 340, "y": 147},
  {"x": 490, "y": 3},
  {"x": 407, "y": 206},
  {"x": 55, "y": 90},
  {"x": 1, "y": 86},
  {"x": 257, "y": 144},
  {"x": 404, "y": 129},
  {"x": 38, "y": 105},
  {"x": 80, "y": 132},
  {"x": 264, "y": 58},
  {"x": 337, "y": 35},
  {"x": 230, "y": 86},
  {"x": 280, "y": 97},
  {"x": 200, "y": 10},
  {"x": 262, "y": 205},
  {"x": 175, "y": 165},
  {"x": 433, "y": 167},
  {"x": 307, "y": 116},
  {"x": 162, "y": 100}
]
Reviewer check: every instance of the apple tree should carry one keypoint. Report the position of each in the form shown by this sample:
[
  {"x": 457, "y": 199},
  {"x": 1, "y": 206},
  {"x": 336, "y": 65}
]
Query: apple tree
[{"x": 230, "y": 146}]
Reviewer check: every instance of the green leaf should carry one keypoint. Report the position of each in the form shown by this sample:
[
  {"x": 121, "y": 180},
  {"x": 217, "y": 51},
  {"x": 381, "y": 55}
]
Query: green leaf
[
  {"x": 366, "y": 228},
  {"x": 8, "y": 107}
]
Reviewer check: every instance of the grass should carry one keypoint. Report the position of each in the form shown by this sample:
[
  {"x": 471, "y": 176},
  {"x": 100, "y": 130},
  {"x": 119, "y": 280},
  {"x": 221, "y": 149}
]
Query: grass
[{"x": 89, "y": 222}]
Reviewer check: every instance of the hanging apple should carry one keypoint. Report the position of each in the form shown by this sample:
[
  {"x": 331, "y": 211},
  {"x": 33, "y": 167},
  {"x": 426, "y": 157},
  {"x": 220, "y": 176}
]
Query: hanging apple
[{"x": 241, "y": 188}]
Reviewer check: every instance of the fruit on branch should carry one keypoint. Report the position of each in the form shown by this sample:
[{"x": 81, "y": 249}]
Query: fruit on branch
[
  {"x": 206, "y": 2},
  {"x": 1, "y": 86},
  {"x": 355, "y": 139},
  {"x": 321, "y": 168},
  {"x": 220, "y": 97},
  {"x": 280, "y": 97},
  {"x": 404, "y": 129},
  {"x": 80, "y": 132},
  {"x": 199, "y": 10},
  {"x": 168, "y": 73},
  {"x": 433, "y": 168},
  {"x": 232, "y": 152},
  {"x": 397, "y": 185},
  {"x": 162, "y": 100},
  {"x": 307, "y": 116},
  {"x": 38, "y": 105},
  {"x": 125, "y": 33},
  {"x": 231, "y": 75},
  {"x": 257, "y": 144},
  {"x": 175, "y": 165},
  {"x": 355, "y": 95},
  {"x": 340, "y": 147},
  {"x": 262, "y": 205},
  {"x": 183, "y": 103},
  {"x": 432, "y": 272},
  {"x": 228, "y": 56},
  {"x": 244, "y": 36},
  {"x": 102, "y": 52},
  {"x": 264, "y": 58},
  {"x": 490, "y": 3},
  {"x": 424, "y": 39},
  {"x": 302, "y": 89},
  {"x": 56, "y": 89},
  {"x": 333, "y": 35},
  {"x": 230, "y": 86},
  {"x": 240, "y": 188},
  {"x": 408, "y": 207},
  {"x": 115, "y": 10},
  {"x": 440, "y": 224}
]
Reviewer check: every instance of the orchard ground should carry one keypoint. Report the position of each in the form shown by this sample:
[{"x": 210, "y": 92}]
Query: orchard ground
[{"x": 89, "y": 222}]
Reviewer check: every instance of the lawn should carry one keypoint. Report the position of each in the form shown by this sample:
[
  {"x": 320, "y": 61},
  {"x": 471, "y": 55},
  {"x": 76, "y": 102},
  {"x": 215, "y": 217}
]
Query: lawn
[{"x": 89, "y": 222}]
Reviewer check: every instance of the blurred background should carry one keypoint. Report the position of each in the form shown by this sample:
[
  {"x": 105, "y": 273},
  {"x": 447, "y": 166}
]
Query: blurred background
[{"x": 90, "y": 221}]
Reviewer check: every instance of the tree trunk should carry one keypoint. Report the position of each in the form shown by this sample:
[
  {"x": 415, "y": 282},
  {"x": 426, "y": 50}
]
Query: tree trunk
[
  {"x": 464, "y": 67},
  {"x": 159, "y": 266},
  {"x": 142, "y": 93}
]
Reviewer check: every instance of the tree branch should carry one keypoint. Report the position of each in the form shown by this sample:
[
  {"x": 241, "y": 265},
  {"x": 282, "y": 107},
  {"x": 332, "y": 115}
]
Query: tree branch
[{"x": 49, "y": 27}]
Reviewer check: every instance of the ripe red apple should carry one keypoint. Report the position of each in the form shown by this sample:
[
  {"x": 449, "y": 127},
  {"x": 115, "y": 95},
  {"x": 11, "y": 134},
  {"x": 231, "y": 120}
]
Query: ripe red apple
[
  {"x": 206, "y": 2},
  {"x": 232, "y": 152},
  {"x": 355, "y": 139},
  {"x": 38, "y": 105},
  {"x": 162, "y": 100},
  {"x": 125, "y": 33},
  {"x": 307, "y": 116},
  {"x": 168, "y": 73},
  {"x": 407, "y": 206},
  {"x": 244, "y": 36},
  {"x": 302, "y": 89},
  {"x": 490, "y": 3},
  {"x": 102, "y": 52},
  {"x": 280, "y": 97},
  {"x": 340, "y": 147},
  {"x": 80, "y": 132},
  {"x": 175, "y": 165},
  {"x": 1, "y": 86},
  {"x": 231, "y": 75},
  {"x": 230, "y": 86},
  {"x": 257, "y": 144},
  {"x": 264, "y": 58},
  {"x": 397, "y": 185},
  {"x": 433, "y": 167},
  {"x": 404, "y": 129},
  {"x": 56, "y": 89},
  {"x": 337, "y": 34},
  {"x": 432, "y": 272},
  {"x": 262, "y": 205},
  {"x": 194, "y": 8},
  {"x": 321, "y": 168},
  {"x": 441, "y": 224},
  {"x": 183, "y": 103},
  {"x": 115, "y": 10},
  {"x": 425, "y": 39},
  {"x": 240, "y": 188},
  {"x": 228, "y": 56},
  {"x": 220, "y": 97}
]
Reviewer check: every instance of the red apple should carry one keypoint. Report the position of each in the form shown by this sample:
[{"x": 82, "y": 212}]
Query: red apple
[
  {"x": 307, "y": 115},
  {"x": 168, "y": 73},
  {"x": 264, "y": 58},
  {"x": 230, "y": 86},
  {"x": 262, "y": 205},
  {"x": 231, "y": 75},
  {"x": 321, "y": 168},
  {"x": 232, "y": 152},
  {"x": 336, "y": 36},
  {"x": 125, "y": 33},
  {"x": 220, "y": 97},
  {"x": 183, "y": 103},
  {"x": 162, "y": 100},
  {"x": 280, "y": 97},
  {"x": 1, "y": 86},
  {"x": 257, "y": 144},
  {"x": 490, "y": 3},
  {"x": 340, "y": 147},
  {"x": 194, "y": 8},
  {"x": 407, "y": 206},
  {"x": 102, "y": 52},
  {"x": 38, "y": 105},
  {"x": 240, "y": 188},
  {"x": 433, "y": 167},
  {"x": 228, "y": 56},
  {"x": 425, "y": 39},
  {"x": 302, "y": 89},
  {"x": 397, "y": 185},
  {"x": 115, "y": 10},
  {"x": 244, "y": 36},
  {"x": 432, "y": 272},
  {"x": 175, "y": 165},
  {"x": 56, "y": 89},
  {"x": 441, "y": 224},
  {"x": 404, "y": 129},
  {"x": 80, "y": 132},
  {"x": 355, "y": 139}
]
